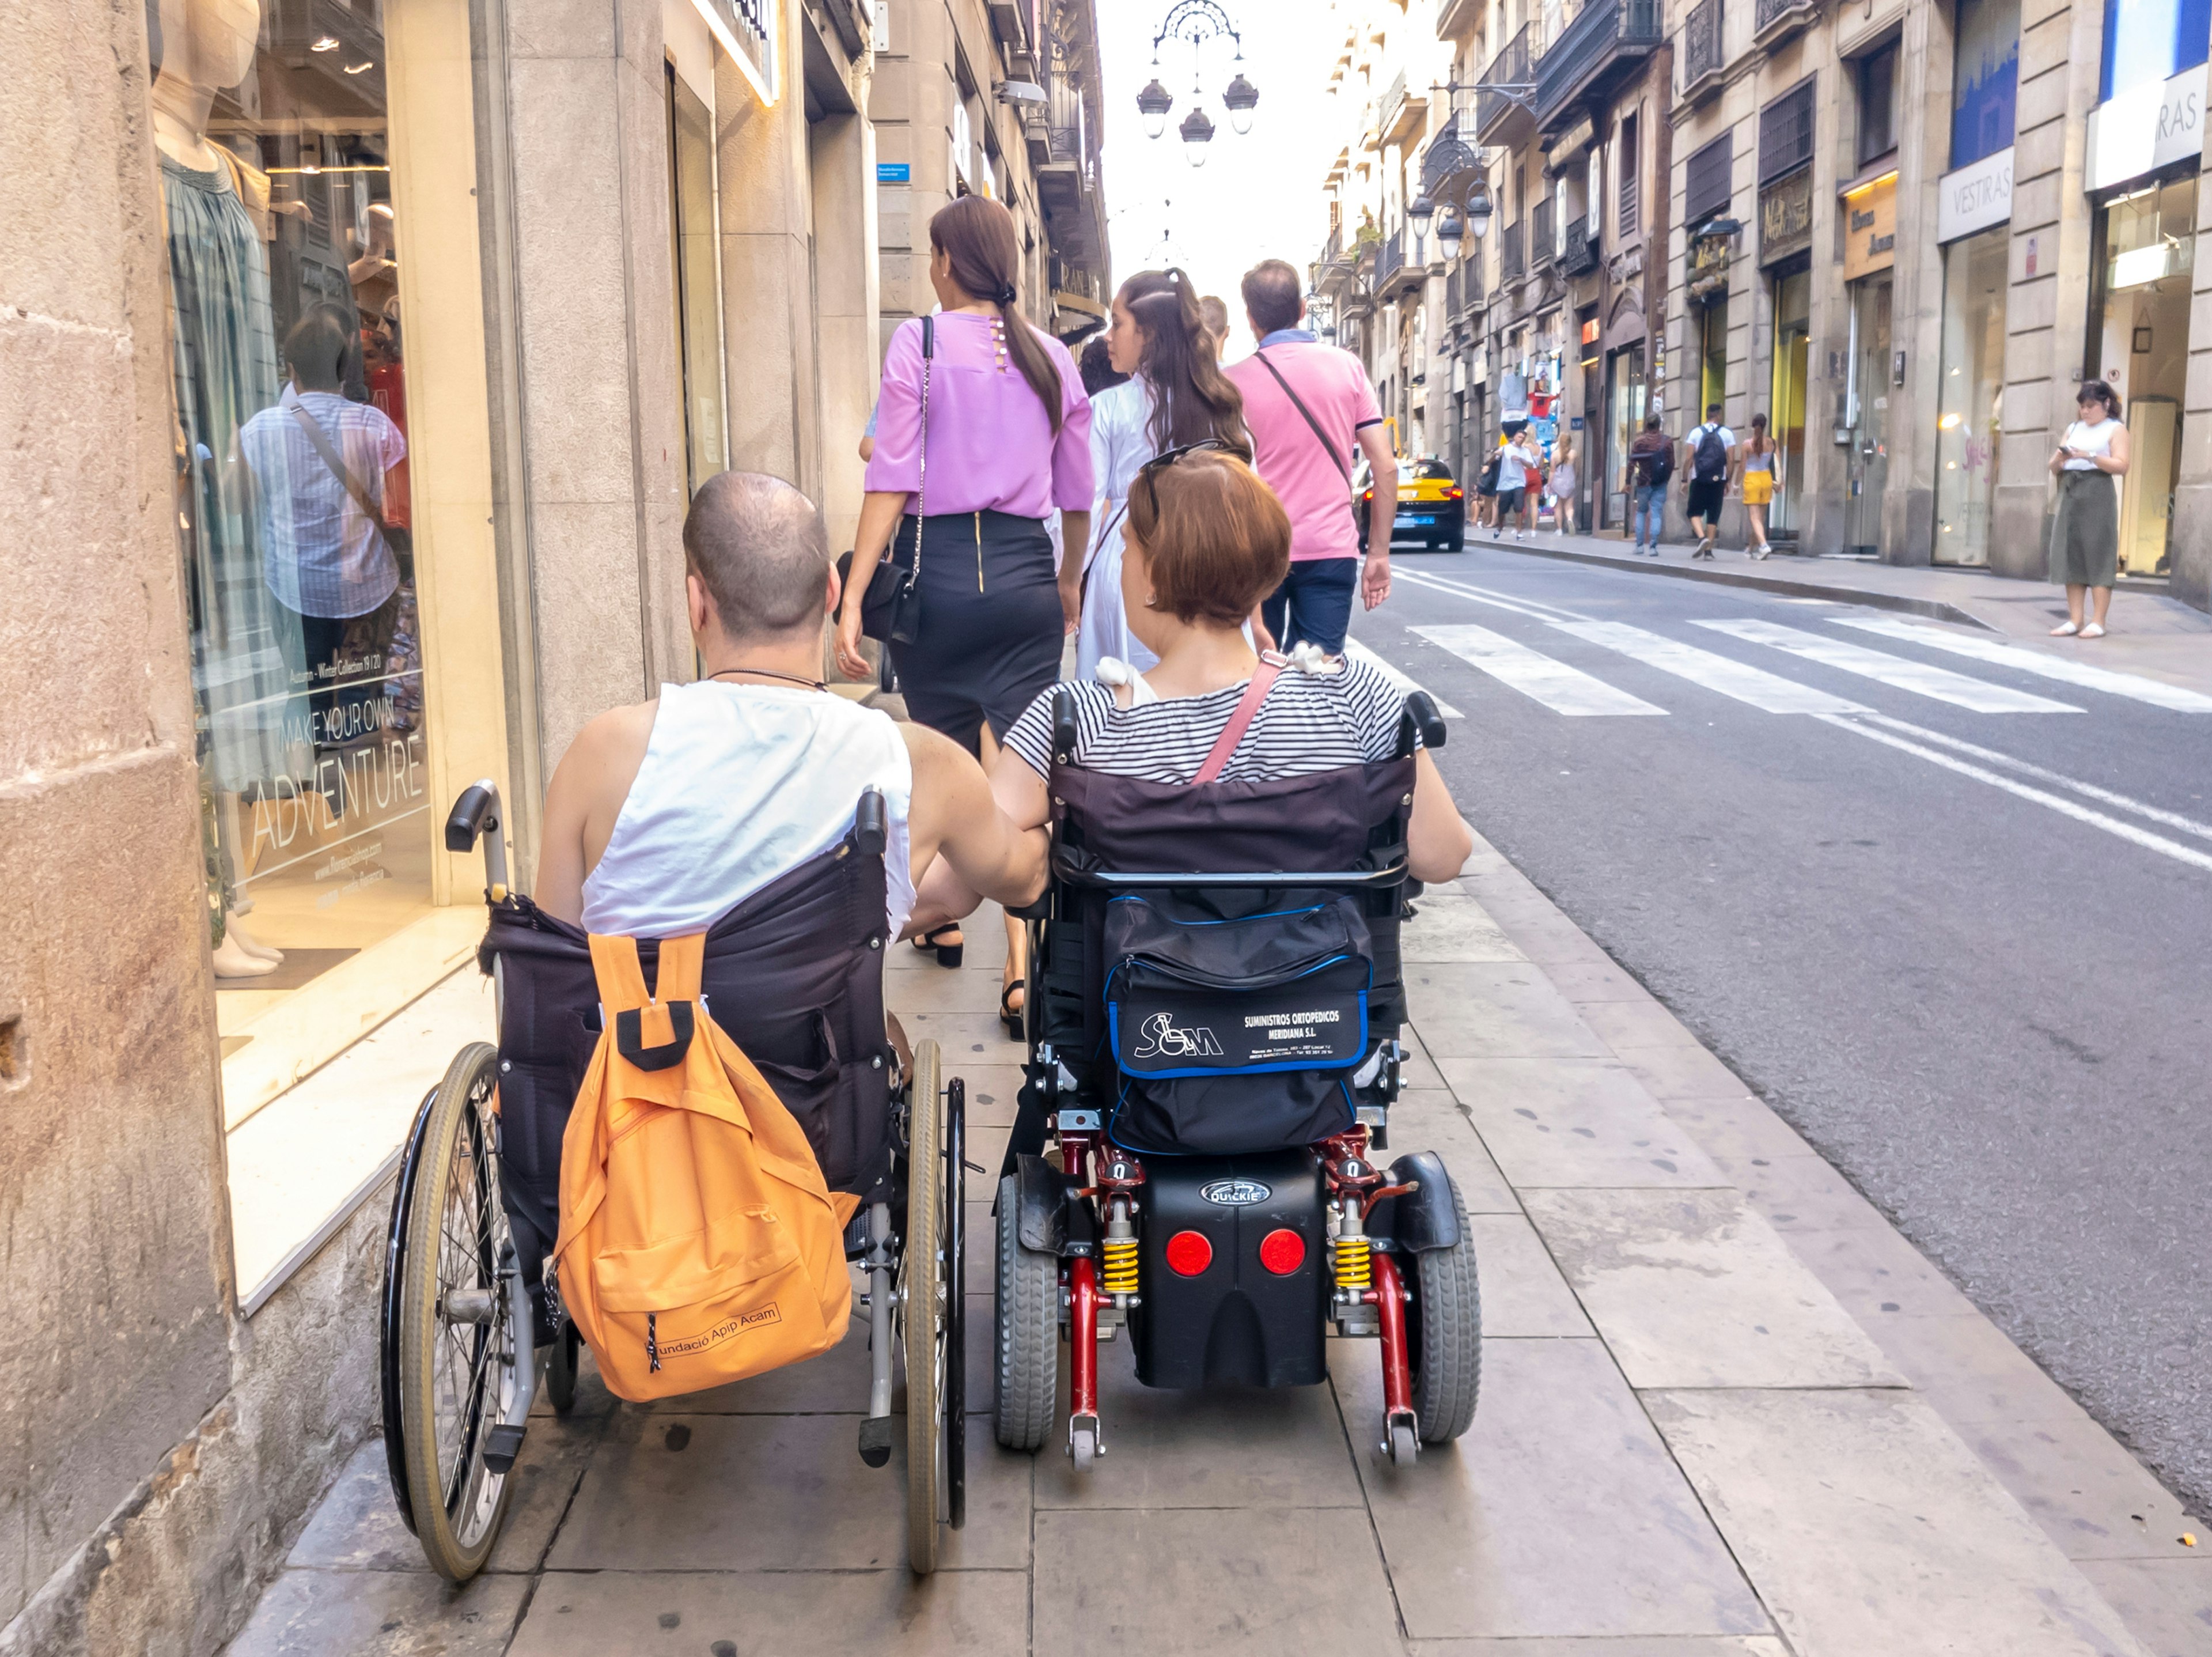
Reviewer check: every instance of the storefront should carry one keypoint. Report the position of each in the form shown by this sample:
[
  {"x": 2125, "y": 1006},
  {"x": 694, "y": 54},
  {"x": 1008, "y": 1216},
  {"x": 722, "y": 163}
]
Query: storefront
[
  {"x": 1869, "y": 257},
  {"x": 1785, "y": 239}
]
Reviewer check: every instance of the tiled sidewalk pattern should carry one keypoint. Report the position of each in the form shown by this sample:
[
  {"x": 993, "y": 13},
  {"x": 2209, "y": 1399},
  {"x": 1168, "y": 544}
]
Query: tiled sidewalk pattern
[{"x": 1727, "y": 1412}]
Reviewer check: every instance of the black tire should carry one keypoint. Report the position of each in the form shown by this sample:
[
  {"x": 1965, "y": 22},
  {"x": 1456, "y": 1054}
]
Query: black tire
[
  {"x": 954, "y": 1402},
  {"x": 561, "y": 1365},
  {"x": 921, "y": 1312},
  {"x": 1444, "y": 1333},
  {"x": 1024, "y": 1333}
]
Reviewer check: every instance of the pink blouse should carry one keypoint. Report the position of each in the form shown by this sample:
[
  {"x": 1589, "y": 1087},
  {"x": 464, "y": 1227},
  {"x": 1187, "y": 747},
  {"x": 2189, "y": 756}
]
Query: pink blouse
[{"x": 991, "y": 445}]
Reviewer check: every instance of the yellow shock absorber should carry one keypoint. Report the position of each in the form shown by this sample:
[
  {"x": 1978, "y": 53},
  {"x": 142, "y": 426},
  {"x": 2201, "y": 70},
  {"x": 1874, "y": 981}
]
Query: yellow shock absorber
[
  {"x": 1355, "y": 1263},
  {"x": 1120, "y": 1273}
]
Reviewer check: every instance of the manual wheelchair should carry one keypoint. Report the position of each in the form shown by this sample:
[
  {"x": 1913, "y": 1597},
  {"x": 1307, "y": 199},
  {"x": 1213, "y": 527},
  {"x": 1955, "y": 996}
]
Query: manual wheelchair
[
  {"x": 469, "y": 1308},
  {"x": 1216, "y": 997}
]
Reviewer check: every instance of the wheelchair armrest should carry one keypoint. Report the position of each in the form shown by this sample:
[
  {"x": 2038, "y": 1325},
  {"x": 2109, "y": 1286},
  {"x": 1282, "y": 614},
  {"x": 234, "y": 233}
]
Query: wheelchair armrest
[
  {"x": 1421, "y": 719},
  {"x": 1063, "y": 725},
  {"x": 872, "y": 823}
]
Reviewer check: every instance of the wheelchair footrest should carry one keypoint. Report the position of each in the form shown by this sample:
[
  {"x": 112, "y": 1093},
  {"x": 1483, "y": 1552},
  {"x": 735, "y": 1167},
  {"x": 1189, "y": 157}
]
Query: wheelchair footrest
[
  {"x": 876, "y": 1440},
  {"x": 502, "y": 1444}
]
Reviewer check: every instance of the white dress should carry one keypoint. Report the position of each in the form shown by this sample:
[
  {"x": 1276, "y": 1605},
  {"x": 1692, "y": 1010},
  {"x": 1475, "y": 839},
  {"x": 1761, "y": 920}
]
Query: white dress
[{"x": 1119, "y": 445}]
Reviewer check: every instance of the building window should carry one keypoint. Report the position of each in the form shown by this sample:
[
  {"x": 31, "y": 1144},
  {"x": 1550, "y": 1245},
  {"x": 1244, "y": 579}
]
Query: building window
[
  {"x": 1786, "y": 133},
  {"x": 2146, "y": 46},
  {"x": 1625, "y": 163},
  {"x": 1985, "y": 79},
  {"x": 1708, "y": 182},
  {"x": 1877, "y": 79}
]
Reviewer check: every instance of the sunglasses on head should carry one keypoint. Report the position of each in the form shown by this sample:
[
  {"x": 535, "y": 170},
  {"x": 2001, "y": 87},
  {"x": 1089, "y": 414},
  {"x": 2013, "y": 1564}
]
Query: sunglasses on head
[{"x": 1150, "y": 470}]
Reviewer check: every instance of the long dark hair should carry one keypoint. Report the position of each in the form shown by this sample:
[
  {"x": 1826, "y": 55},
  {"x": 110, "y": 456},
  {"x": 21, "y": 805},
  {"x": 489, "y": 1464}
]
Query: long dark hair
[
  {"x": 1192, "y": 398},
  {"x": 977, "y": 234},
  {"x": 1759, "y": 443},
  {"x": 2099, "y": 391}
]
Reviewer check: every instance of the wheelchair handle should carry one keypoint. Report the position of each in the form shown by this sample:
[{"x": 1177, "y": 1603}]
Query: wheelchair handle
[
  {"x": 477, "y": 813},
  {"x": 872, "y": 831},
  {"x": 1063, "y": 725},
  {"x": 1421, "y": 719}
]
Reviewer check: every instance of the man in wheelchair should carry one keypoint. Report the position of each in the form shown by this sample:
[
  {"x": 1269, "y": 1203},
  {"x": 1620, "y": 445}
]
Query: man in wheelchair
[{"x": 1212, "y": 1039}]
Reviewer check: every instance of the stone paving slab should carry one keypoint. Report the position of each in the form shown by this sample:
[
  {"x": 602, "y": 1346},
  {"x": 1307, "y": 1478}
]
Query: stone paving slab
[
  {"x": 1754, "y": 1645},
  {"x": 1574, "y": 1123},
  {"x": 317, "y": 1613}
]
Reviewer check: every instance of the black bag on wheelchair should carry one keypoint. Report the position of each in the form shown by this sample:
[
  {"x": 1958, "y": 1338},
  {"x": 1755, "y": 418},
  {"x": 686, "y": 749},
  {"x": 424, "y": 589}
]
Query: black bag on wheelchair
[{"x": 1233, "y": 1032}]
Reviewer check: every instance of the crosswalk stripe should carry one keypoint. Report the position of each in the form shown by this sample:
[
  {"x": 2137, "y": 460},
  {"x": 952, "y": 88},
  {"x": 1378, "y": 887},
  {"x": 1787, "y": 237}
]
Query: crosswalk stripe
[
  {"x": 1976, "y": 695},
  {"x": 1735, "y": 679},
  {"x": 2171, "y": 697},
  {"x": 1352, "y": 647},
  {"x": 1562, "y": 689},
  {"x": 2172, "y": 819}
]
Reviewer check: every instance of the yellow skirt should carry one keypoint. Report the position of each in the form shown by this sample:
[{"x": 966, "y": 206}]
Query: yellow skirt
[{"x": 1758, "y": 488}]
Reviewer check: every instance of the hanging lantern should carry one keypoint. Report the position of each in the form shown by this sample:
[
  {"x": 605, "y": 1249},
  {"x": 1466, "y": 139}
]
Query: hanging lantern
[
  {"x": 1241, "y": 98},
  {"x": 1154, "y": 102},
  {"x": 1197, "y": 130}
]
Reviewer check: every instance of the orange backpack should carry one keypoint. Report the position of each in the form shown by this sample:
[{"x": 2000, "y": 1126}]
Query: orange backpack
[{"x": 699, "y": 1244}]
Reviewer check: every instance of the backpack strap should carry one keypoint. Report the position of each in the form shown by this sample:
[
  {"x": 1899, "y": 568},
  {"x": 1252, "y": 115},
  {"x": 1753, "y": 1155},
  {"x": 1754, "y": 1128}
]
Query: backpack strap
[{"x": 1256, "y": 691}]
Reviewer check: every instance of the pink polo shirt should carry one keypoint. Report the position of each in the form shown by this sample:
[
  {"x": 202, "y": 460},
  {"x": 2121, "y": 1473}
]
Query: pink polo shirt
[
  {"x": 1287, "y": 455},
  {"x": 991, "y": 443}
]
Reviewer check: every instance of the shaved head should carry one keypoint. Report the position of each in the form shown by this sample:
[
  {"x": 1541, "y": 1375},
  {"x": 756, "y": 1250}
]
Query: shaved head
[{"x": 761, "y": 551}]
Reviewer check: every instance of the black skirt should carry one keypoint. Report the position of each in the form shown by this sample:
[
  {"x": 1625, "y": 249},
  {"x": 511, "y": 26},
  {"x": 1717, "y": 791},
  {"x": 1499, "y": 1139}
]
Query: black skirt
[{"x": 991, "y": 623}]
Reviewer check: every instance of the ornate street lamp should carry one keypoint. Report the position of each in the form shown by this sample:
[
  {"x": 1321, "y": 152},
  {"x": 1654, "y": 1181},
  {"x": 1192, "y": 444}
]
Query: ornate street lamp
[
  {"x": 1197, "y": 21},
  {"x": 1153, "y": 103},
  {"x": 1421, "y": 215},
  {"x": 1241, "y": 97},
  {"x": 1451, "y": 228},
  {"x": 1197, "y": 130}
]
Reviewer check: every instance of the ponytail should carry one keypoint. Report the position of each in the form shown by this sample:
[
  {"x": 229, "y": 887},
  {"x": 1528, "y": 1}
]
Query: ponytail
[
  {"x": 1192, "y": 398},
  {"x": 976, "y": 235}
]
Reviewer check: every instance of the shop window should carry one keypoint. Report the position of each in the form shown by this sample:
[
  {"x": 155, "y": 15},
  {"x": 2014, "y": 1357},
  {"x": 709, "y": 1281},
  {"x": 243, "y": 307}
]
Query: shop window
[
  {"x": 2146, "y": 46},
  {"x": 2146, "y": 250},
  {"x": 1969, "y": 395},
  {"x": 1985, "y": 78},
  {"x": 1876, "y": 73},
  {"x": 1712, "y": 355},
  {"x": 1786, "y": 133},
  {"x": 1708, "y": 182},
  {"x": 333, "y": 505}
]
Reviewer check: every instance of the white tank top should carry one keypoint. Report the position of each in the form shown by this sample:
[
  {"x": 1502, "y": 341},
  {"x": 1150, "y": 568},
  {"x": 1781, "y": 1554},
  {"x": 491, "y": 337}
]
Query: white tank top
[
  {"x": 742, "y": 783},
  {"x": 2097, "y": 439}
]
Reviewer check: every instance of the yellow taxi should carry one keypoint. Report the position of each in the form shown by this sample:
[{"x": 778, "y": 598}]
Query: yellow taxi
[{"x": 1431, "y": 506}]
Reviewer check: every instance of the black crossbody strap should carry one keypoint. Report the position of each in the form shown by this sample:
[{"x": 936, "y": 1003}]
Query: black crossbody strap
[
  {"x": 1299, "y": 403},
  {"x": 320, "y": 442}
]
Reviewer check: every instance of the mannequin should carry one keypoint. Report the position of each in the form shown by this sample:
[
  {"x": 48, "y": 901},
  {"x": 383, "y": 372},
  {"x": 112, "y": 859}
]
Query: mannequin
[{"x": 225, "y": 361}]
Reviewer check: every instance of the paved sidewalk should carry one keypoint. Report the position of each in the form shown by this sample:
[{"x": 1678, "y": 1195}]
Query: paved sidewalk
[
  {"x": 1727, "y": 1412},
  {"x": 2152, "y": 633}
]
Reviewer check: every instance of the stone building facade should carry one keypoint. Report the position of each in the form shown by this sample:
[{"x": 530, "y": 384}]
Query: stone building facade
[{"x": 543, "y": 268}]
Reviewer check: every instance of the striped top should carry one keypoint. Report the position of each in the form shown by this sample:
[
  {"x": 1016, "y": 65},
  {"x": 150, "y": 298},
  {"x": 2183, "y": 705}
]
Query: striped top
[{"x": 1310, "y": 722}]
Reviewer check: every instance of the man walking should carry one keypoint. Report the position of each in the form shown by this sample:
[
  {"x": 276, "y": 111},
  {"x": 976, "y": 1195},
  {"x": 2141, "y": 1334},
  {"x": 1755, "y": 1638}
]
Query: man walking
[
  {"x": 1518, "y": 480},
  {"x": 1307, "y": 406},
  {"x": 1712, "y": 467},
  {"x": 1650, "y": 465}
]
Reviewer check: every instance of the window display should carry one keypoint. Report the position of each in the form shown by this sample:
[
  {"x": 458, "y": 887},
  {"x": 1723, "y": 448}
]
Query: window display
[
  {"x": 1971, "y": 395},
  {"x": 2148, "y": 247}
]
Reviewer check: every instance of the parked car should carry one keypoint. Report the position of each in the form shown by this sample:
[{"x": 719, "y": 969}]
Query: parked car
[{"x": 1431, "y": 506}]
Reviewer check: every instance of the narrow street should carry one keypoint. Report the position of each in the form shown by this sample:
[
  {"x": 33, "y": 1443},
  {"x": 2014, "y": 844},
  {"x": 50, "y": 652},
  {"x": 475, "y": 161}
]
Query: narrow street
[{"x": 1947, "y": 916}]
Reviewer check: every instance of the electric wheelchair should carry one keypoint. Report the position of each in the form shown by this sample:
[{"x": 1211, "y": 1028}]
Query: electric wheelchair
[
  {"x": 1216, "y": 997},
  {"x": 469, "y": 1307}
]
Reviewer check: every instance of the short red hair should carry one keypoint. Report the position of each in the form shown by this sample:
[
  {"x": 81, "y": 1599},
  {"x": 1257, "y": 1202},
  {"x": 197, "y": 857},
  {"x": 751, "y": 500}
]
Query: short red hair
[{"x": 1215, "y": 539}]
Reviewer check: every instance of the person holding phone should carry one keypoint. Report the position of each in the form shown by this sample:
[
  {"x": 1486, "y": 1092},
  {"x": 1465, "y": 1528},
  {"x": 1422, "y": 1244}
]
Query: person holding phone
[{"x": 2085, "y": 534}]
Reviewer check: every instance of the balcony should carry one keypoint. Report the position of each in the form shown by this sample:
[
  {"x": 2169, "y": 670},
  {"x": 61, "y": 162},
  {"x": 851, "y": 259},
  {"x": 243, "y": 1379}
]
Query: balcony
[
  {"x": 1543, "y": 245},
  {"x": 1390, "y": 260},
  {"x": 1774, "y": 21},
  {"x": 1582, "y": 255},
  {"x": 1605, "y": 44},
  {"x": 1498, "y": 118},
  {"x": 1703, "y": 56},
  {"x": 1511, "y": 265}
]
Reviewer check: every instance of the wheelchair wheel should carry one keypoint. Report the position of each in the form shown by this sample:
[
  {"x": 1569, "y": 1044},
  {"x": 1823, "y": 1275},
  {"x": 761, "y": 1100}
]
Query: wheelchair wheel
[
  {"x": 920, "y": 1307},
  {"x": 450, "y": 1367},
  {"x": 1444, "y": 1334},
  {"x": 561, "y": 1365},
  {"x": 1025, "y": 1331}
]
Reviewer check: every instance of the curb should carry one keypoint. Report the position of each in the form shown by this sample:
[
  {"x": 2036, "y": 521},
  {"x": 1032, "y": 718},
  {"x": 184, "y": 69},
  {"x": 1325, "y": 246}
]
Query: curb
[{"x": 1933, "y": 609}]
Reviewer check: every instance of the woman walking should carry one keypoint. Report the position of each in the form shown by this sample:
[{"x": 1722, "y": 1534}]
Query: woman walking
[
  {"x": 2085, "y": 536},
  {"x": 983, "y": 429},
  {"x": 1176, "y": 395},
  {"x": 1564, "y": 479},
  {"x": 1758, "y": 483}
]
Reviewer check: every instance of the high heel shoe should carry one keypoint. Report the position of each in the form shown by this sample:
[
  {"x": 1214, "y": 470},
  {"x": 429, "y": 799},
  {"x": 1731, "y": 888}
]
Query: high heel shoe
[
  {"x": 948, "y": 954},
  {"x": 1009, "y": 1014}
]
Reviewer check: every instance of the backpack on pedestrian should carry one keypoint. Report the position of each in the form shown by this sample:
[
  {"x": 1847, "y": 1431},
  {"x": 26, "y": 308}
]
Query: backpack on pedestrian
[
  {"x": 1655, "y": 468},
  {"x": 699, "y": 1241},
  {"x": 1709, "y": 464}
]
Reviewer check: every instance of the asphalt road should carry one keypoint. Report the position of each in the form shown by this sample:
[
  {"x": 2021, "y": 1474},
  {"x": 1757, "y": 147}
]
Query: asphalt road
[{"x": 1983, "y": 993}]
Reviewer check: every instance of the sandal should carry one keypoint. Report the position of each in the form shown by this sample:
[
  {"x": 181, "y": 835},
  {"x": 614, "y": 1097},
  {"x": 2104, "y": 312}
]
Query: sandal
[
  {"x": 2066, "y": 630},
  {"x": 1009, "y": 1014},
  {"x": 2094, "y": 629},
  {"x": 948, "y": 954}
]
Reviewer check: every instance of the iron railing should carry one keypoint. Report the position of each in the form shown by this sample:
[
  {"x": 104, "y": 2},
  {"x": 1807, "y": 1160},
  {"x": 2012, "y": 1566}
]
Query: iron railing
[
  {"x": 1510, "y": 263},
  {"x": 1391, "y": 259},
  {"x": 1543, "y": 245},
  {"x": 1601, "y": 33},
  {"x": 1703, "y": 56},
  {"x": 1628, "y": 213},
  {"x": 1582, "y": 254},
  {"x": 1773, "y": 19},
  {"x": 1510, "y": 67}
]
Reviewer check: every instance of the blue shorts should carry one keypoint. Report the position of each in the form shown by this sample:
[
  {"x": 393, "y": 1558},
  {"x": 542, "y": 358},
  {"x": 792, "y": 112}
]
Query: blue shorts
[{"x": 1313, "y": 604}]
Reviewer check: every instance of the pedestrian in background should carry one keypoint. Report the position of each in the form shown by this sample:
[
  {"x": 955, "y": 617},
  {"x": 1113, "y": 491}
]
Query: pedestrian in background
[
  {"x": 1176, "y": 395},
  {"x": 2085, "y": 534},
  {"x": 976, "y": 443},
  {"x": 1215, "y": 310},
  {"x": 1712, "y": 448},
  {"x": 1758, "y": 457},
  {"x": 1099, "y": 374},
  {"x": 1308, "y": 405},
  {"x": 1517, "y": 466},
  {"x": 1650, "y": 468},
  {"x": 1564, "y": 481},
  {"x": 1486, "y": 488}
]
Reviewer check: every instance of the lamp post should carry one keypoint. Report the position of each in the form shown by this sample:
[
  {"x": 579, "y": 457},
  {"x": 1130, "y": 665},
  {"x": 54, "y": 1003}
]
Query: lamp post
[{"x": 1197, "y": 21}]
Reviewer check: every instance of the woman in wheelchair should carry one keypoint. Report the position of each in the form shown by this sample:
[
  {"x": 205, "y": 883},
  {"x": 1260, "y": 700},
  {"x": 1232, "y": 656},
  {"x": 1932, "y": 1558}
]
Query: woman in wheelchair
[{"x": 1213, "y": 1044}]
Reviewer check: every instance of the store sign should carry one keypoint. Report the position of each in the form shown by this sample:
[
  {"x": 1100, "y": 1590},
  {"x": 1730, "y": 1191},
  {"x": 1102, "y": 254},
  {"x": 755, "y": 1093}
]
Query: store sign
[
  {"x": 2137, "y": 133},
  {"x": 894, "y": 173},
  {"x": 1870, "y": 228},
  {"x": 747, "y": 30},
  {"x": 1709, "y": 267},
  {"x": 1785, "y": 217},
  {"x": 1975, "y": 197}
]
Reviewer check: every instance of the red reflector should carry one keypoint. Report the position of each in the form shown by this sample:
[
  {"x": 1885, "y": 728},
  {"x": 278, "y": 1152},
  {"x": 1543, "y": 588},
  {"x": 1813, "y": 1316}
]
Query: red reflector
[
  {"x": 1189, "y": 1254},
  {"x": 1282, "y": 1251}
]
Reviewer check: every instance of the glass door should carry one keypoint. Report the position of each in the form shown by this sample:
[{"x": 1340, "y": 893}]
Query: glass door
[
  {"x": 1869, "y": 406},
  {"x": 1793, "y": 299},
  {"x": 1972, "y": 381},
  {"x": 1625, "y": 409}
]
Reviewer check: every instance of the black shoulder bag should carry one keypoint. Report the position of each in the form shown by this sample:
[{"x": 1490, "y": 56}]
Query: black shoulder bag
[
  {"x": 1320, "y": 436},
  {"x": 890, "y": 609}
]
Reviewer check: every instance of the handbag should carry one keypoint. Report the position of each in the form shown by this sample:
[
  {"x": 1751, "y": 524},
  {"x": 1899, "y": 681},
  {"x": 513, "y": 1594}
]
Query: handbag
[
  {"x": 1321, "y": 437},
  {"x": 890, "y": 610},
  {"x": 400, "y": 541}
]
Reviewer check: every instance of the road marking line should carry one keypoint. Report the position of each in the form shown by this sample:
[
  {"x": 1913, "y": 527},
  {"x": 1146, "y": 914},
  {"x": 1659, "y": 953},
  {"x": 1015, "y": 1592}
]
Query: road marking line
[
  {"x": 2172, "y": 697},
  {"x": 2157, "y": 814},
  {"x": 1406, "y": 687},
  {"x": 1527, "y": 607},
  {"x": 1919, "y": 677},
  {"x": 1732, "y": 679},
  {"x": 2128, "y": 831},
  {"x": 1562, "y": 689}
]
